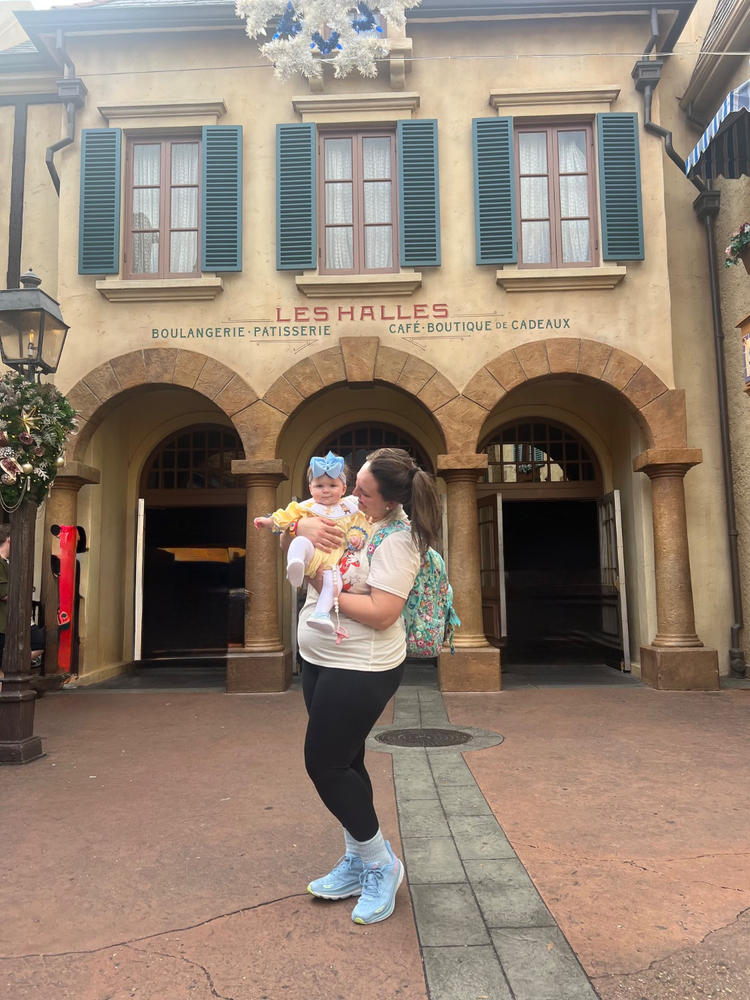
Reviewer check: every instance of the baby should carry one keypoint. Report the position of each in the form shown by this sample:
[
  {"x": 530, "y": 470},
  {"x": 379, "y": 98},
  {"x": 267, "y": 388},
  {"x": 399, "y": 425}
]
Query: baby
[{"x": 326, "y": 479}]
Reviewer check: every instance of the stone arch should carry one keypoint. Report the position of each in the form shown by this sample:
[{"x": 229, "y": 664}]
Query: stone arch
[
  {"x": 358, "y": 361},
  {"x": 100, "y": 390},
  {"x": 659, "y": 410}
]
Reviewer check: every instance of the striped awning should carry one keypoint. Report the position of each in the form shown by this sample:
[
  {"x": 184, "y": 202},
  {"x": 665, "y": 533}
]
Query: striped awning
[{"x": 724, "y": 148}]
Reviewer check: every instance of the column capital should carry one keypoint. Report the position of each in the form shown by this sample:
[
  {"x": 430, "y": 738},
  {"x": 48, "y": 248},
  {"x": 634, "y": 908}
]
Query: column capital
[
  {"x": 657, "y": 462},
  {"x": 458, "y": 465},
  {"x": 74, "y": 475},
  {"x": 261, "y": 471}
]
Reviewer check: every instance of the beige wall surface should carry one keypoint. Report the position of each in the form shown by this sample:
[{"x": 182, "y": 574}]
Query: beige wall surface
[
  {"x": 6, "y": 145},
  {"x": 693, "y": 352},
  {"x": 40, "y": 245},
  {"x": 460, "y": 68},
  {"x": 658, "y": 312}
]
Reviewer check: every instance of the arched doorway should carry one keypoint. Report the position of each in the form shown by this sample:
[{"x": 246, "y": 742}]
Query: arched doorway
[
  {"x": 193, "y": 545},
  {"x": 355, "y": 442},
  {"x": 549, "y": 548}
]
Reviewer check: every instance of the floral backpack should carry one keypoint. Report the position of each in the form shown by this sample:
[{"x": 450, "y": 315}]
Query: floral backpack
[{"x": 428, "y": 612}]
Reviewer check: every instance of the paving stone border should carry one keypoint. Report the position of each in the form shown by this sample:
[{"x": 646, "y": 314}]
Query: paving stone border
[{"x": 483, "y": 928}]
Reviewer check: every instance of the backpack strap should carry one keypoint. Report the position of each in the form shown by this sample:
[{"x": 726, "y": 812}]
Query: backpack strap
[{"x": 384, "y": 532}]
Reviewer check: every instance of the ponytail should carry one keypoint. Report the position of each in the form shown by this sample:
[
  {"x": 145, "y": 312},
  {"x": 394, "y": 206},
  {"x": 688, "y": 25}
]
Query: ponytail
[{"x": 401, "y": 480}]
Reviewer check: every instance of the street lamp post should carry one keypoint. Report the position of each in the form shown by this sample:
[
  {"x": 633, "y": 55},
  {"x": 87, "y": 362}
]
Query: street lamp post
[{"x": 32, "y": 335}]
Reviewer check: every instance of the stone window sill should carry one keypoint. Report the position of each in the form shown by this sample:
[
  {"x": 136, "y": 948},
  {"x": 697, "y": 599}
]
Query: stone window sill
[
  {"x": 318, "y": 286},
  {"x": 205, "y": 287},
  {"x": 525, "y": 279}
]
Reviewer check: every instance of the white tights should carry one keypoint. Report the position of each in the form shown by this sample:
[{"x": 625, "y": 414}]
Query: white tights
[{"x": 299, "y": 554}]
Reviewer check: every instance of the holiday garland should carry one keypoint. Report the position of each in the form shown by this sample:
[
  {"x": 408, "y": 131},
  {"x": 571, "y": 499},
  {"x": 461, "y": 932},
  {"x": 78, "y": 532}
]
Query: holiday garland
[
  {"x": 309, "y": 32},
  {"x": 35, "y": 421}
]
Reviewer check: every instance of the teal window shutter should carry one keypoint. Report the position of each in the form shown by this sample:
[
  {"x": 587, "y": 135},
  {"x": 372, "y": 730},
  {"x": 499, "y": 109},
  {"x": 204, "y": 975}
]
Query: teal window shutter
[
  {"x": 296, "y": 236},
  {"x": 494, "y": 191},
  {"x": 418, "y": 193},
  {"x": 620, "y": 186},
  {"x": 221, "y": 199},
  {"x": 99, "y": 210}
]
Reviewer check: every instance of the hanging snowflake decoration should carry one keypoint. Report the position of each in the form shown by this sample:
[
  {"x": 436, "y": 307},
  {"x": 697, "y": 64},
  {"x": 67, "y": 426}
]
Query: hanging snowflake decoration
[{"x": 307, "y": 33}]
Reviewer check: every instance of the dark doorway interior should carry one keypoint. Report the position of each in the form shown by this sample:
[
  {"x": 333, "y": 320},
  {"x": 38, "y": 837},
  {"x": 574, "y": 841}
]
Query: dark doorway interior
[
  {"x": 193, "y": 580},
  {"x": 552, "y": 578}
]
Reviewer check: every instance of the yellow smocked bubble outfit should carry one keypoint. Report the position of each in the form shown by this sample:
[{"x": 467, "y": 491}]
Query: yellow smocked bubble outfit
[{"x": 347, "y": 517}]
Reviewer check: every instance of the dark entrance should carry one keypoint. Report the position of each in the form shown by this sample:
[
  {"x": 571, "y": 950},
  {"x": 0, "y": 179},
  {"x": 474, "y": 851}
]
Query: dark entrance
[
  {"x": 194, "y": 546},
  {"x": 193, "y": 581},
  {"x": 552, "y": 580},
  {"x": 553, "y": 590}
]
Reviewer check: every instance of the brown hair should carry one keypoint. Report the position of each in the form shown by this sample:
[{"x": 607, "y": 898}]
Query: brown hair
[
  {"x": 4, "y": 533},
  {"x": 400, "y": 479}
]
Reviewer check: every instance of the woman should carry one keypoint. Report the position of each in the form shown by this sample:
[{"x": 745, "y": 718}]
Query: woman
[{"x": 347, "y": 686}]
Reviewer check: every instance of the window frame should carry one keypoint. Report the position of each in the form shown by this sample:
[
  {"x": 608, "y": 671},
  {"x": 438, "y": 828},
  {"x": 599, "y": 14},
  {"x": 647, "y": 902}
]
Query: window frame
[
  {"x": 166, "y": 142},
  {"x": 357, "y": 135},
  {"x": 552, "y": 130}
]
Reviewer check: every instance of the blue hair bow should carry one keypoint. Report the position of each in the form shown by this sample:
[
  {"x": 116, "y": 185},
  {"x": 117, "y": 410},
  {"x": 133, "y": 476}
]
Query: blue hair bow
[{"x": 332, "y": 465}]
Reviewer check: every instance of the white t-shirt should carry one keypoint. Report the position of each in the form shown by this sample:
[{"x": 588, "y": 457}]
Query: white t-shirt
[{"x": 394, "y": 567}]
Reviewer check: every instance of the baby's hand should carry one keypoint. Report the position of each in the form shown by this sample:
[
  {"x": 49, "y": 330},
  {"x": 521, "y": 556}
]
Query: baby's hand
[{"x": 259, "y": 522}]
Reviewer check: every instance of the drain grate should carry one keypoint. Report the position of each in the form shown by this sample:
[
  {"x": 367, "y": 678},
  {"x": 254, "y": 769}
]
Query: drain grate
[{"x": 423, "y": 737}]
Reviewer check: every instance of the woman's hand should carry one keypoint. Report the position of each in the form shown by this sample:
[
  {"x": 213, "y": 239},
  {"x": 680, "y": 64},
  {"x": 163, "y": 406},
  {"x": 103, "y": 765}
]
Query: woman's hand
[{"x": 321, "y": 531}]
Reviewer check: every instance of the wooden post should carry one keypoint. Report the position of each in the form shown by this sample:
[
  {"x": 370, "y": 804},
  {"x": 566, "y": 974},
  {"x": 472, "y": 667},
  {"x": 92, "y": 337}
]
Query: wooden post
[{"x": 18, "y": 745}]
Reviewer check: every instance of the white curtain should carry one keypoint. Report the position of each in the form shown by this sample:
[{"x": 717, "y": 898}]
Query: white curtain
[
  {"x": 535, "y": 233},
  {"x": 376, "y": 166},
  {"x": 183, "y": 255},
  {"x": 574, "y": 196},
  {"x": 146, "y": 189},
  {"x": 338, "y": 204},
  {"x": 375, "y": 211}
]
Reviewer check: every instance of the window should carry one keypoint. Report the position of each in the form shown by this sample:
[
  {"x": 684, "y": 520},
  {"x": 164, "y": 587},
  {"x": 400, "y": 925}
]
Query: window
[
  {"x": 357, "y": 199},
  {"x": 183, "y": 203},
  {"x": 536, "y": 452},
  {"x": 161, "y": 212},
  {"x": 535, "y": 193},
  {"x": 355, "y": 443},
  {"x": 336, "y": 198},
  {"x": 554, "y": 167},
  {"x": 199, "y": 458}
]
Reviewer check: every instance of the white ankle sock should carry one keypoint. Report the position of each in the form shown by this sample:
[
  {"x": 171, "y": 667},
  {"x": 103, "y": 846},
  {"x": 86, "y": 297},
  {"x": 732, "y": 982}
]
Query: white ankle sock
[
  {"x": 372, "y": 852},
  {"x": 350, "y": 843}
]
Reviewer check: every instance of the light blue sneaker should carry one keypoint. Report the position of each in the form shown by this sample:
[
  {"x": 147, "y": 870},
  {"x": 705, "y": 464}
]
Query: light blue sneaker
[
  {"x": 345, "y": 880},
  {"x": 322, "y": 622},
  {"x": 379, "y": 887}
]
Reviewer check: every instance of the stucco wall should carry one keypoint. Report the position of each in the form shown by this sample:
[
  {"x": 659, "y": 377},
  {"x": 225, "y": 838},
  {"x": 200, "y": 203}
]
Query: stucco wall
[
  {"x": 453, "y": 90},
  {"x": 658, "y": 313}
]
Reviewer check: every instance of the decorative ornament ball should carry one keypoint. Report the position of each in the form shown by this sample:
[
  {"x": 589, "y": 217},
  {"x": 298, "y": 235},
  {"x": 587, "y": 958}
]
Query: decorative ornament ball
[
  {"x": 6, "y": 480},
  {"x": 59, "y": 461},
  {"x": 27, "y": 467}
]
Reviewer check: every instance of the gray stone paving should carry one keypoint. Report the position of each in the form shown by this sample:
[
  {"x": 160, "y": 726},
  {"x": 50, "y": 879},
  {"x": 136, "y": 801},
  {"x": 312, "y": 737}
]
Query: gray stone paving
[{"x": 483, "y": 928}]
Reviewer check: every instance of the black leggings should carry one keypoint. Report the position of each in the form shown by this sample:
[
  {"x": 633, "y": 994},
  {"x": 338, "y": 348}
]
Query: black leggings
[{"x": 343, "y": 706}]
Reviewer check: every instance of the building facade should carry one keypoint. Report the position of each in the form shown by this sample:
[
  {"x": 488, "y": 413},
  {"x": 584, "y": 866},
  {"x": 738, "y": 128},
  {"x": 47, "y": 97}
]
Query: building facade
[{"x": 482, "y": 255}]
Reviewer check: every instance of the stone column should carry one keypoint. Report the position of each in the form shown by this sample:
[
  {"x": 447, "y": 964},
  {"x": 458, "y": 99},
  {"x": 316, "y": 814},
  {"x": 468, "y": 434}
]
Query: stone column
[
  {"x": 263, "y": 664},
  {"x": 475, "y": 666},
  {"x": 676, "y": 659},
  {"x": 61, "y": 507}
]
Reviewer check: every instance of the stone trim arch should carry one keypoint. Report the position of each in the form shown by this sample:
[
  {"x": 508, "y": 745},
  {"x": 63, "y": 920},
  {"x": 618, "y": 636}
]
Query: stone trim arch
[
  {"x": 356, "y": 361},
  {"x": 98, "y": 391},
  {"x": 659, "y": 410}
]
